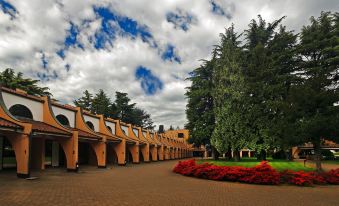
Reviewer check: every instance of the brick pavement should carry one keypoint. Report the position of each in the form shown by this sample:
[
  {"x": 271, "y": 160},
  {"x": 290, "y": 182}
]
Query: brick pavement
[{"x": 150, "y": 184}]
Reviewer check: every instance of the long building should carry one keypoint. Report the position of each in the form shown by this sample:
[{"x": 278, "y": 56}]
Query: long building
[{"x": 41, "y": 133}]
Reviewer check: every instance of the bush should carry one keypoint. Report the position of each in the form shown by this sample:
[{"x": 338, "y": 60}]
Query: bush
[
  {"x": 332, "y": 177},
  {"x": 327, "y": 155},
  {"x": 279, "y": 155},
  {"x": 260, "y": 174}
]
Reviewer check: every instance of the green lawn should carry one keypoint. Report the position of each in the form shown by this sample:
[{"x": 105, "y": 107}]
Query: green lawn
[
  {"x": 279, "y": 165},
  {"x": 333, "y": 162}
]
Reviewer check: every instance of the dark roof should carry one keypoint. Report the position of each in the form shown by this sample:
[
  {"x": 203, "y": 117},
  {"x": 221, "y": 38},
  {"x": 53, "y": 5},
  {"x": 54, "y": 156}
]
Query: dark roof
[
  {"x": 88, "y": 135},
  {"x": 111, "y": 137},
  {"x": 65, "y": 106},
  {"x": 85, "y": 112},
  {"x": 9, "y": 124},
  {"x": 38, "y": 126}
]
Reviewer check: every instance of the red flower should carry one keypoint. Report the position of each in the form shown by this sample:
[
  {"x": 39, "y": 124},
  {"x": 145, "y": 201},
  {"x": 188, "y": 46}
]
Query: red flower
[{"x": 260, "y": 174}]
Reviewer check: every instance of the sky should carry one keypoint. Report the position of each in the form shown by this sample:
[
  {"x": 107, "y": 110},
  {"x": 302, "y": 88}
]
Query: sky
[{"x": 142, "y": 47}]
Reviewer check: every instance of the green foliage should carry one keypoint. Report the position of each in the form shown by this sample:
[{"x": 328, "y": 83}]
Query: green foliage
[
  {"x": 268, "y": 87},
  {"x": 199, "y": 109},
  {"x": 121, "y": 108},
  {"x": 85, "y": 102},
  {"x": 9, "y": 79}
]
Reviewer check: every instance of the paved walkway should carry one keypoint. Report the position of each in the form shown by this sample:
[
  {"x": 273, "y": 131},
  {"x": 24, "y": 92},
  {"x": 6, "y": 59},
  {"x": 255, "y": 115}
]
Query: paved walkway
[{"x": 150, "y": 184}]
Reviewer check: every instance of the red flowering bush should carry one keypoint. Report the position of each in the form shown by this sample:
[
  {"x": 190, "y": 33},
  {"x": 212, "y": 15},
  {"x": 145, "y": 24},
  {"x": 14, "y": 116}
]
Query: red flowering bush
[
  {"x": 332, "y": 177},
  {"x": 302, "y": 178},
  {"x": 260, "y": 174}
]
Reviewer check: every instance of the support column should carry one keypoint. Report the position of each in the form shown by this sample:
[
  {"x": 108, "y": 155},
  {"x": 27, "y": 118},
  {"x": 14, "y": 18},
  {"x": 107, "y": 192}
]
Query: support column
[
  {"x": 120, "y": 150},
  {"x": 145, "y": 152},
  {"x": 172, "y": 153},
  {"x": 161, "y": 152},
  {"x": 100, "y": 151},
  {"x": 70, "y": 147},
  {"x": 134, "y": 149},
  {"x": 55, "y": 154},
  {"x": 249, "y": 153},
  {"x": 21, "y": 146},
  {"x": 154, "y": 153},
  {"x": 167, "y": 156},
  {"x": 240, "y": 153},
  {"x": 1, "y": 151}
]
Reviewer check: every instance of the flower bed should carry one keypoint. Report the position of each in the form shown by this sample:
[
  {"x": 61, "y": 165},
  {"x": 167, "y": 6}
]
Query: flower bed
[{"x": 260, "y": 174}]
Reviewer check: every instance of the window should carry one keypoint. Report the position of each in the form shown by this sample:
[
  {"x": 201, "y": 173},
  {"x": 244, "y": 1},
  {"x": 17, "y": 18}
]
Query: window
[
  {"x": 62, "y": 119},
  {"x": 90, "y": 125},
  {"x": 21, "y": 111}
]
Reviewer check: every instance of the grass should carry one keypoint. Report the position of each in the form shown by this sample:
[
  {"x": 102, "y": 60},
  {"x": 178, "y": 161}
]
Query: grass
[
  {"x": 279, "y": 165},
  {"x": 332, "y": 162}
]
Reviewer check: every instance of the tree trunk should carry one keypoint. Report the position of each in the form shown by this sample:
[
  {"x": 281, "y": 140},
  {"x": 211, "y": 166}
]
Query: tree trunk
[
  {"x": 215, "y": 154},
  {"x": 317, "y": 156},
  {"x": 236, "y": 155},
  {"x": 228, "y": 155},
  {"x": 261, "y": 155}
]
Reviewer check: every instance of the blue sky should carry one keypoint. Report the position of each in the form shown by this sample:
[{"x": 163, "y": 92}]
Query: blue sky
[{"x": 144, "y": 48}]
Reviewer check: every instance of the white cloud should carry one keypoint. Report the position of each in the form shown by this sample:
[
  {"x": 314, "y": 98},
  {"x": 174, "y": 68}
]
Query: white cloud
[{"x": 42, "y": 26}]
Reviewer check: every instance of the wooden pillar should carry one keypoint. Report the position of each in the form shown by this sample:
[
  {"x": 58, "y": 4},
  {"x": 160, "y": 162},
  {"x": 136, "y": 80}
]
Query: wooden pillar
[
  {"x": 240, "y": 153},
  {"x": 249, "y": 153}
]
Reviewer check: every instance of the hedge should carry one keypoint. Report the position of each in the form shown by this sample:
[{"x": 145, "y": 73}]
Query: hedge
[{"x": 260, "y": 174}]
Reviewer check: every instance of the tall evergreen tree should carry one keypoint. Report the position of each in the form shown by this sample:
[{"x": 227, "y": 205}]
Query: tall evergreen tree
[
  {"x": 121, "y": 108},
  {"x": 267, "y": 72},
  {"x": 316, "y": 96},
  {"x": 9, "y": 79},
  {"x": 230, "y": 132},
  {"x": 142, "y": 119},
  {"x": 101, "y": 104},
  {"x": 85, "y": 102},
  {"x": 199, "y": 110}
]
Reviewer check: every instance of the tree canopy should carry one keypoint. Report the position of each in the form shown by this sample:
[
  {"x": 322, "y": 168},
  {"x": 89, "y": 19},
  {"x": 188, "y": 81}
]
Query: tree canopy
[
  {"x": 12, "y": 80},
  {"x": 120, "y": 108},
  {"x": 268, "y": 88}
]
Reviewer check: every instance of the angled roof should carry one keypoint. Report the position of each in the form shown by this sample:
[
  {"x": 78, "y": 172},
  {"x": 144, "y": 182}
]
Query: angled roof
[
  {"x": 88, "y": 135},
  {"x": 9, "y": 124},
  {"x": 42, "y": 127}
]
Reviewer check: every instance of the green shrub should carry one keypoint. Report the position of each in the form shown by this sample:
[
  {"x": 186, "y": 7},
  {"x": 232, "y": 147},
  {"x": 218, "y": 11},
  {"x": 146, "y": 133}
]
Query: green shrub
[{"x": 327, "y": 155}]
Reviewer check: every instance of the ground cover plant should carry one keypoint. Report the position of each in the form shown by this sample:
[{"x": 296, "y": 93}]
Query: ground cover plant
[
  {"x": 263, "y": 173},
  {"x": 277, "y": 164}
]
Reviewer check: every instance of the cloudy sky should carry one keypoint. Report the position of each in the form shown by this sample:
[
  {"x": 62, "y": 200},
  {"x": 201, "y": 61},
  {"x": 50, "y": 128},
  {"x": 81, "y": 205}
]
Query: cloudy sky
[{"x": 144, "y": 48}]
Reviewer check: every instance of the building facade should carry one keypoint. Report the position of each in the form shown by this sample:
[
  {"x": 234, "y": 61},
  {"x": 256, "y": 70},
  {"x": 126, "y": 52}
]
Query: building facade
[{"x": 36, "y": 132}]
